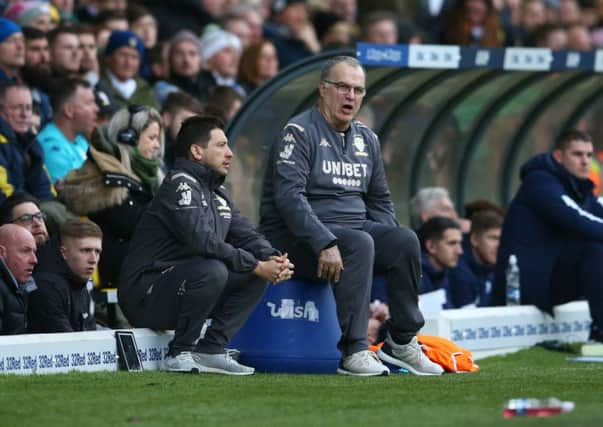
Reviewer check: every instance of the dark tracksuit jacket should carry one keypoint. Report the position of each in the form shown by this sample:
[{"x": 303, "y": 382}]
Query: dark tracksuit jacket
[
  {"x": 319, "y": 182},
  {"x": 192, "y": 215},
  {"x": 313, "y": 180},
  {"x": 62, "y": 302},
  {"x": 551, "y": 208}
]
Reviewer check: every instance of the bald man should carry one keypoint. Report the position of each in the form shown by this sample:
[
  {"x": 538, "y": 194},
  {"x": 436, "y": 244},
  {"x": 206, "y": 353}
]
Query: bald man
[{"x": 17, "y": 261}]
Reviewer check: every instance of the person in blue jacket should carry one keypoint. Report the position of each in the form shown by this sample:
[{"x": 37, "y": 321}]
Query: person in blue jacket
[
  {"x": 21, "y": 156},
  {"x": 554, "y": 226},
  {"x": 480, "y": 249},
  {"x": 441, "y": 240}
]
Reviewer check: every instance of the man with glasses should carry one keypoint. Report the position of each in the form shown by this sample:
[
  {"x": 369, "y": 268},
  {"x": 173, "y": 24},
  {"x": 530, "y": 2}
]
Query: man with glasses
[
  {"x": 326, "y": 202},
  {"x": 24, "y": 210},
  {"x": 21, "y": 157}
]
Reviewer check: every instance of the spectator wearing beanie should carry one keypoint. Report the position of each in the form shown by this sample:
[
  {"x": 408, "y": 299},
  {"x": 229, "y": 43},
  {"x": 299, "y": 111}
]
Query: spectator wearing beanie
[
  {"x": 120, "y": 79},
  {"x": 35, "y": 14},
  {"x": 12, "y": 50},
  {"x": 221, "y": 53}
]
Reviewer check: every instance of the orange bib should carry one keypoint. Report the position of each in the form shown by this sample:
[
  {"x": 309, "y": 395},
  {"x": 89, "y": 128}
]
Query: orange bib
[
  {"x": 447, "y": 354},
  {"x": 444, "y": 352}
]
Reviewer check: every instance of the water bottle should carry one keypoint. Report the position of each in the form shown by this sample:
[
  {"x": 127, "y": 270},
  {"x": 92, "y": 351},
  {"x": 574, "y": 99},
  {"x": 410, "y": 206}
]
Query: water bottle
[
  {"x": 536, "y": 407},
  {"x": 512, "y": 276}
]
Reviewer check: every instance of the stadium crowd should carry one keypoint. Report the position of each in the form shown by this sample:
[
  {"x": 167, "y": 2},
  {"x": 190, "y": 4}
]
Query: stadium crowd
[{"x": 93, "y": 95}]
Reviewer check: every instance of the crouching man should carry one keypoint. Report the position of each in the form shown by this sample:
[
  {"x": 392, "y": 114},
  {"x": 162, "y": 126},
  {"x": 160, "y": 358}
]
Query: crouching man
[{"x": 193, "y": 257}]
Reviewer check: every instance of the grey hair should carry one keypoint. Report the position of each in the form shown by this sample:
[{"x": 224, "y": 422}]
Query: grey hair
[
  {"x": 325, "y": 71},
  {"x": 140, "y": 121},
  {"x": 424, "y": 201}
]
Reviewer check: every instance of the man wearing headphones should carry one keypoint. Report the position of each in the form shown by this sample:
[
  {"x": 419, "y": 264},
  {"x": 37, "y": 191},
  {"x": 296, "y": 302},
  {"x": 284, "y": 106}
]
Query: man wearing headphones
[{"x": 118, "y": 180}]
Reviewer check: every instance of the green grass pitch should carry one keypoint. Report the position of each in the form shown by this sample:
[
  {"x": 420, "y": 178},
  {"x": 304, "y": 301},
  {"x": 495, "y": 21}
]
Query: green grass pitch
[{"x": 165, "y": 399}]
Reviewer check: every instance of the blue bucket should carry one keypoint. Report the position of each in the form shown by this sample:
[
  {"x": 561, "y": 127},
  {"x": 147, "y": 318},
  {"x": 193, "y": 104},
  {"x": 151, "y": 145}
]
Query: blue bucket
[{"x": 293, "y": 329}]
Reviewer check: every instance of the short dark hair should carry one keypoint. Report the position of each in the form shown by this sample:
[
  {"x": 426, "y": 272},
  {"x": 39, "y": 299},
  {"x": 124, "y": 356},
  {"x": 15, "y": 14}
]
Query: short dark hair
[
  {"x": 542, "y": 32},
  {"x": 77, "y": 228},
  {"x": 31, "y": 33},
  {"x": 569, "y": 135},
  {"x": 155, "y": 54},
  {"x": 377, "y": 16},
  {"x": 483, "y": 221},
  {"x": 80, "y": 29},
  {"x": 63, "y": 90},
  {"x": 195, "y": 130},
  {"x": 15, "y": 199},
  {"x": 434, "y": 228},
  {"x": 53, "y": 35},
  {"x": 478, "y": 205},
  {"x": 180, "y": 100},
  {"x": 219, "y": 101},
  {"x": 136, "y": 11},
  {"x": 107, "y": 15}
]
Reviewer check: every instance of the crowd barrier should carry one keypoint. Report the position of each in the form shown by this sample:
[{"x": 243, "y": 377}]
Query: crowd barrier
[{"x": 294, "y": 329}]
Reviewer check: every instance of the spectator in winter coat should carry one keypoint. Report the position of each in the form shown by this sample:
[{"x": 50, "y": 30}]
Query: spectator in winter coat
[
  {"x": 21, "y": 156},
  {"x": 121, "y": 79},
  {"x": 118, "y": 180}
]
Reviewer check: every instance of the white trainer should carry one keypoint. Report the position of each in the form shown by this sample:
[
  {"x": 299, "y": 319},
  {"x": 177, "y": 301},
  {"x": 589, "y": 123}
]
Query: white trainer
[
  {"x": 182, "y": 362},
  {"x": 190, "y": 361},
  {"x": 362, "y": 364},
  {"x": 408, "y": 356},
  {"x": 221, "y": 363}
]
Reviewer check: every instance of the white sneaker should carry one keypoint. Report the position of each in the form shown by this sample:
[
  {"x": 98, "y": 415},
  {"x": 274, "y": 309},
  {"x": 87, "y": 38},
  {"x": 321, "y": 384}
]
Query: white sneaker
[
  {"x": 190, "y": 361},
  {"x": 182, "y": 362},
  {"x": 362, "y": 364},
  {"x": 221, "y": 364},
  {"x": 408, "y": 356}
]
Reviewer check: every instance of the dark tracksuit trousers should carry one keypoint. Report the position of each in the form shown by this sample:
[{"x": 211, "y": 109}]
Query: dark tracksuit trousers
[
  {"x": 577, "y": 274},
  {"x": 374, "y": 249},
  {"x": 188, "y": 293}
]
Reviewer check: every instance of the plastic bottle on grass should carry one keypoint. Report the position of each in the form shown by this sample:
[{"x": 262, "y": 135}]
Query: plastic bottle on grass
[
  {"x": 512, "y": 275},
  {"x": 536, "y": 407}
]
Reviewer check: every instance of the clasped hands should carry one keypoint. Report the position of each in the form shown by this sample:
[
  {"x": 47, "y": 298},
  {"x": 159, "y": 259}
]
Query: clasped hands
[{"x": 276, "y": 269}]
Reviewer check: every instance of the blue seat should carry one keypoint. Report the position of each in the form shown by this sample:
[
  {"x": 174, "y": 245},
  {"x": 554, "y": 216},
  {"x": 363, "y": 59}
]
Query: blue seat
[{"x": 293, "y": 329}]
